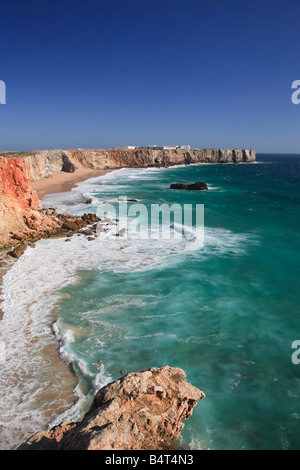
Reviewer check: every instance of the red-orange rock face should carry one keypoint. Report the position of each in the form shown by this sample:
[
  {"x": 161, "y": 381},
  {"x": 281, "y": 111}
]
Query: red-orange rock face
[
  {"x": 14, "y": 183},
  {"x": 17, "y": 200},
  {"x": 141, "y": 411},
  {"x": 20, "y": 209}
]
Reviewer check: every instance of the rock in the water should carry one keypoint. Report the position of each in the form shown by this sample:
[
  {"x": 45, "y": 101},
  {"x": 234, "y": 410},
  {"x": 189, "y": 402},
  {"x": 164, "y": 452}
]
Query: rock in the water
[
  {"x": 88, "y": 231},
  {"x": 67, "y": 166},
  {"x": 18, "y": 251},
  {"x": 198, "y": 186},
  {"x": 141, "y": 411}
]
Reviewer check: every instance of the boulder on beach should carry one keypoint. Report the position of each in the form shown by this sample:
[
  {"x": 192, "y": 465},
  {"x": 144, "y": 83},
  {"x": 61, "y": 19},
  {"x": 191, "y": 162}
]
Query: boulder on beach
[
  {"x": 88, "y": 232},
  {"x": 70, "y": 225}
]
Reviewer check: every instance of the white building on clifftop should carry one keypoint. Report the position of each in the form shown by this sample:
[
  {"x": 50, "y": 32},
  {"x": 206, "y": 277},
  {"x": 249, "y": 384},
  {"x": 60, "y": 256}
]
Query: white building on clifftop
[
  {"x": 185, "y": 147},
  {"x": 126, "y": 147},
  {"x": 152, "y": 147}
]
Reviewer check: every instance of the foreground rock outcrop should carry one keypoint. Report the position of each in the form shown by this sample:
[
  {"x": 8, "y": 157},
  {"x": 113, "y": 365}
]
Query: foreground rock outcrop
[{"x": 141, "y": 411}]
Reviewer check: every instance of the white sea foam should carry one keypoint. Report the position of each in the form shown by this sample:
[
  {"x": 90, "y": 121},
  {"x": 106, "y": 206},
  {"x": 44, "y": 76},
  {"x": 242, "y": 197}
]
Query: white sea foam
[
  {"x": 30, "y": 291},
  {"x": 29, "y": 383}
]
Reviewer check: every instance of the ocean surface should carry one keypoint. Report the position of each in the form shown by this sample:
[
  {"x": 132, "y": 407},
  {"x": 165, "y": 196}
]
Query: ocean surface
[{"x": 226, "y": 311}]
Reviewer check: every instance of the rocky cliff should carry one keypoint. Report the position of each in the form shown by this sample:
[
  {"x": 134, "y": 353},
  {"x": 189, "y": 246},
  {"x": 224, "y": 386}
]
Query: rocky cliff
[
  {"x": 20, "y": 209},
  {"x": 141, "y": 411},
  {"x": 45, "y": 163},
  {"x": 160, "y": 158},
  {"x": 22, "y": 218}
]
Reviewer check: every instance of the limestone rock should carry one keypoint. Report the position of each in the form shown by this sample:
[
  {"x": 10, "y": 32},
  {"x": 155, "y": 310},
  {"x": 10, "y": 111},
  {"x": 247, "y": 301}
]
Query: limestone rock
[
  {"x": 88, "y": 231},
  {"x": 18, "y": 251}
]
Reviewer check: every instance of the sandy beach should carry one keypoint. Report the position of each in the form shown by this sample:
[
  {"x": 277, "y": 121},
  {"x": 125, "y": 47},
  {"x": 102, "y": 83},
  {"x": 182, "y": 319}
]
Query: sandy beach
[{"x": 63, "y": 182}]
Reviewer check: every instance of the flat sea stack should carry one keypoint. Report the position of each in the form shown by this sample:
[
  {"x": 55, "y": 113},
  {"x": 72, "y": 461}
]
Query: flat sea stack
[{"x": 198, "y": 186}]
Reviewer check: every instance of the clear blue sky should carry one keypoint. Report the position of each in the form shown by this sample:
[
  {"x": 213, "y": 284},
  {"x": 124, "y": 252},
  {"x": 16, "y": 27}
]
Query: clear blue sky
[{"x": 100, "y": 73}]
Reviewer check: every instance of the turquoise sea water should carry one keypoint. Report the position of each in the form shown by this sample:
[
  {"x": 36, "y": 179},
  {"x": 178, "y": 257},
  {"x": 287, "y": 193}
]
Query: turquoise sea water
[{"x": 227, "y": 312}]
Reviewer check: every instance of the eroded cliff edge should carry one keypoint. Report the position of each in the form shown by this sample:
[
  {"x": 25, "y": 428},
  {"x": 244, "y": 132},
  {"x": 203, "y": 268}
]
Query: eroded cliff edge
[
  {"x": 141, "y": 411},
  {"x": 44, "y": 164},
  {"x": 20, "y": 209}
]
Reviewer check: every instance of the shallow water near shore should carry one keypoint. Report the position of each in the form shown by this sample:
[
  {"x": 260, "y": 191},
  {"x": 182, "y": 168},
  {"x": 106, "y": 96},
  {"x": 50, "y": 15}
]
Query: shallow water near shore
[{"x": 227, "y": 312}]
